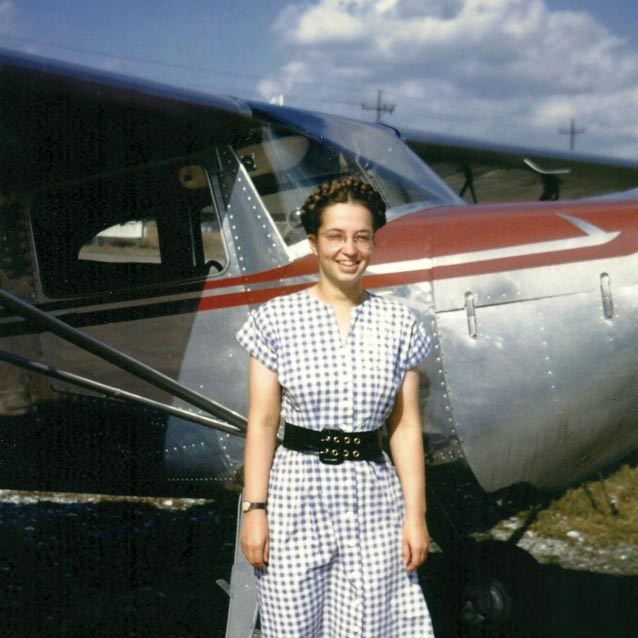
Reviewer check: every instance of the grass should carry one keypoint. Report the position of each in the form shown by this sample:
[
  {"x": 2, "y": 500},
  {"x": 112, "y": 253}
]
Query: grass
[{"x": 585, "y": 509}]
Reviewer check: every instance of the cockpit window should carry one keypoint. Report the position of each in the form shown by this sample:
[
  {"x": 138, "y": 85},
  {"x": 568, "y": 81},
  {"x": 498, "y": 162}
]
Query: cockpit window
[
  {"x": 141, "y": 227},
  {"x": 285, "y": 167},
  {"x": 286, "y": 159}
]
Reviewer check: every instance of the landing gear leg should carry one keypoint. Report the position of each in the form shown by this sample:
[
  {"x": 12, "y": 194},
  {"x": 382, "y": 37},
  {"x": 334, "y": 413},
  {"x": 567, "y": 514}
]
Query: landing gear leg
[
  {"x": 494, "y": 586},
  {"x": 242, "y": 609}
]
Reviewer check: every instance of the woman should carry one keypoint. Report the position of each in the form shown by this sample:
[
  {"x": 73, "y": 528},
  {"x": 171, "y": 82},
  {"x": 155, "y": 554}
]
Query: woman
[{"x": 334, "y": 535}]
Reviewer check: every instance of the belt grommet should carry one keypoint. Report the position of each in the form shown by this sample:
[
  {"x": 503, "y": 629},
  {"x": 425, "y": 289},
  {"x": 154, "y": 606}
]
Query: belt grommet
[
  {"x": 335, "y": 452},
  {"x": 357, "y": 440},
  {"x": 346, "y": 454},
  {"x": 346, "y": 440},
  {"x": 356, "y": 454}
]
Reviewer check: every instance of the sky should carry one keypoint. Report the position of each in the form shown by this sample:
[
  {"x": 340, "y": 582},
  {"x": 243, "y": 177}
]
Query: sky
[{"x": 505, "y": 71}]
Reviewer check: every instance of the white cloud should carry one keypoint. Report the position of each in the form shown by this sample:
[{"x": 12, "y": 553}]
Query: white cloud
[
  {"x": 287, "y": 79},
  {"x": 327, "y": 22},
  {"x": 503, "y": 67}
]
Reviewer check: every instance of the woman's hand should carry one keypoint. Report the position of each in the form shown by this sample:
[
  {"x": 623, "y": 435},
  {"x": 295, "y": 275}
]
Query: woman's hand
[
  {"x": 255, "y": 538},
  {"x": 415, "y": 542}
]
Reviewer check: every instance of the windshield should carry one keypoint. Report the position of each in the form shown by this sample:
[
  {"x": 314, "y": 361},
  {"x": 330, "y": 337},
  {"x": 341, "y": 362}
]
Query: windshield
[{"x": 288, "y": 153}]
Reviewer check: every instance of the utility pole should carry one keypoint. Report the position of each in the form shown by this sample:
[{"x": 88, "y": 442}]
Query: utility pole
[
  {"x": 380, "y": 108},
  {"x": 572, "y": 131}
]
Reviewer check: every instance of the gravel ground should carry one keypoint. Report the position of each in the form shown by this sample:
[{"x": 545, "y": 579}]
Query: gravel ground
[
  {"x": 576, "y": 551},
  {"x": 75, "y": 566}
]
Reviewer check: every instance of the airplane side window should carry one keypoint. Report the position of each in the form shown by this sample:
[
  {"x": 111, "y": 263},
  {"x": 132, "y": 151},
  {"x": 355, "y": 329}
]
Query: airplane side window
[
  {"x": 134, "y": 229},
  {"x": 134, "y": 241}
]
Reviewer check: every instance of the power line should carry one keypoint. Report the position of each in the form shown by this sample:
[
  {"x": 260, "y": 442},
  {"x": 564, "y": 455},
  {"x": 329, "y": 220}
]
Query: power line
[{"x": 136, "y": 59}]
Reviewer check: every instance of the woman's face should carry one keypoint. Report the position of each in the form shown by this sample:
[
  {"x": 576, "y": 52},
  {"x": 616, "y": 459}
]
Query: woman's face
[{"x": 344, "y": 243}]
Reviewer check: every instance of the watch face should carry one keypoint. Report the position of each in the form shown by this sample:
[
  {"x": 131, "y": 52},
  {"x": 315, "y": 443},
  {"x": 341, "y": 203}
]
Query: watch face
[{"x": 247, "y": 506}]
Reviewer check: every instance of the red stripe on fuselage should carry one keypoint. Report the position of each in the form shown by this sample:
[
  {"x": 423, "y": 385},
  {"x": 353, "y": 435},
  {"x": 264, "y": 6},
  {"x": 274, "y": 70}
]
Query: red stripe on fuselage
[
  {"x": 440, "y": 233},
  {"x": 248, "y": 297}
]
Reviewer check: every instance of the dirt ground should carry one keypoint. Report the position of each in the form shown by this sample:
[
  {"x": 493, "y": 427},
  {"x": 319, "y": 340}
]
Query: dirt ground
[{"x": 129, "y": 568}]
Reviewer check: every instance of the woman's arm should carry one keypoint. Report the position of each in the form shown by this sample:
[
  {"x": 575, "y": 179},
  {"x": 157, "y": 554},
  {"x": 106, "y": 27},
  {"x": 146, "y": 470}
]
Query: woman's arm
[
  {"x": 406, "y": 445},
  {"x": 264, "y": 396}
]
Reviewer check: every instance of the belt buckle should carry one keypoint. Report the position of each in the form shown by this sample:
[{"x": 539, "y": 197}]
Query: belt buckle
[{"x": 331, "y": 452}]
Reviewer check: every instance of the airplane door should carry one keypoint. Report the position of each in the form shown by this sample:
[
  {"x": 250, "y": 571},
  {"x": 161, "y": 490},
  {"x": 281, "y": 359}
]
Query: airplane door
[{"x": 149, "y": 261}]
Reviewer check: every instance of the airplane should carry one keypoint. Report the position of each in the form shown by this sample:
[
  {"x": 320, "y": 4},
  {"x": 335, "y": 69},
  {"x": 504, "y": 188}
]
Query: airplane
[{"x": 140, "y": 223}]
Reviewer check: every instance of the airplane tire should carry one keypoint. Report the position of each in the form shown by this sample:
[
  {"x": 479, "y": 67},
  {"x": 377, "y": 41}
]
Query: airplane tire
[{"x": 500, "y": 597}]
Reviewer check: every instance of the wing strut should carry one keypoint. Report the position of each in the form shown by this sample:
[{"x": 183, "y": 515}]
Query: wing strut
[
  {"x": 116, "y": 393},
  {"x": 63, "y": 330}
]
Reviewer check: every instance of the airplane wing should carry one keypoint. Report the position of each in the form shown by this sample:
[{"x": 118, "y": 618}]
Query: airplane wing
[
  {"x": 47, "y": 105},
  {"x": 481, "y": 171}
]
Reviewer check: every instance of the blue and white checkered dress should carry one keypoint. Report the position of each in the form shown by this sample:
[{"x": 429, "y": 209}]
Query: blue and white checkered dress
[{"x": 335, "y": 568}]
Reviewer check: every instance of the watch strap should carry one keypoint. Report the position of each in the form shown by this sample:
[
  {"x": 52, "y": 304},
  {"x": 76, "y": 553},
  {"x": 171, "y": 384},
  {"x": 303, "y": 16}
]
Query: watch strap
[{"x": 248, "y": 506}]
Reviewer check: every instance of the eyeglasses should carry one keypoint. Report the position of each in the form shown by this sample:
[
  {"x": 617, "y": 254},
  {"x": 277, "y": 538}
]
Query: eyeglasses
[{"x": 361, "y": 240}]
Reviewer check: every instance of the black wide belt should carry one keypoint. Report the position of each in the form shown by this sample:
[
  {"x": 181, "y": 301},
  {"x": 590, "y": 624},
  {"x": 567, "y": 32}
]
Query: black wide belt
[{"x": 334, "y": 446}]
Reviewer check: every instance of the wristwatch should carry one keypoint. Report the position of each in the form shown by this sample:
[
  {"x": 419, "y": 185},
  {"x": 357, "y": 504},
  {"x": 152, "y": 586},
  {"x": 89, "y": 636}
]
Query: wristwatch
[{"x": 247, "y": 506}]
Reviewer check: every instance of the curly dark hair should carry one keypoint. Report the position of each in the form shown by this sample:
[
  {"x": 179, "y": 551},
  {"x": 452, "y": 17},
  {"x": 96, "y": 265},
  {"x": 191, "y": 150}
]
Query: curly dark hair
[{"x": 341, "y": 191}]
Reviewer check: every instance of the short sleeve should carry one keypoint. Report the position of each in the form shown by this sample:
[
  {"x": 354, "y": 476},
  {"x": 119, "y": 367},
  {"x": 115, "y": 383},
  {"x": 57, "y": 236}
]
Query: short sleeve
[
  {"x": 259, "y": 337},
  {"x": 418, "y": 347}
]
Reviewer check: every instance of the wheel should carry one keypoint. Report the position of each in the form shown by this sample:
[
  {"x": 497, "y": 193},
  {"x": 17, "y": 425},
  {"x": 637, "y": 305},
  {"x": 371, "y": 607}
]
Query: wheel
[{"x": 501, "y": 594}]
